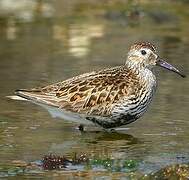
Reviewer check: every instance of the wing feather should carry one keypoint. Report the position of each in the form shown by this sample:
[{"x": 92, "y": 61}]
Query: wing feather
[{"x": 91, "y": 93}]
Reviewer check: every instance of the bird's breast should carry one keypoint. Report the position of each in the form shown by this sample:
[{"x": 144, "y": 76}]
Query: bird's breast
[{"x": 137, "y": 103}]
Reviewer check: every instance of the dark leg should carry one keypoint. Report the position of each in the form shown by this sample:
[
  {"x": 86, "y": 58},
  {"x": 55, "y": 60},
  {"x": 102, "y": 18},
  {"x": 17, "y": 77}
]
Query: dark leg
[
  {"x": 81, "y": 127},
  {"x": 110, "y": 130}
]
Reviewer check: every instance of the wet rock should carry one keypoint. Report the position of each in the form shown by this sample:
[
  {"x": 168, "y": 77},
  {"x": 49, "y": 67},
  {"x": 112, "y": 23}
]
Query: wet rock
[{"x": 173, "y": 172}]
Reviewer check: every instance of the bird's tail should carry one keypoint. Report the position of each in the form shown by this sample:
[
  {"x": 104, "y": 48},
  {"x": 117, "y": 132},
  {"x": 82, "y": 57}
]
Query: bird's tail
[
  {"x": 26, "y": 94},
  {"x": 22, "y": 94},
  {"x": 35, "y": 95}
]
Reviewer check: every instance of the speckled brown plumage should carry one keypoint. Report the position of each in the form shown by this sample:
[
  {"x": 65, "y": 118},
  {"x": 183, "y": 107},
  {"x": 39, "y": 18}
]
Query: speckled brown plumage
[
  {"x": 92, "y": 93},
  {"x": 111, "y": 97},
  {"x": 140, "y": 45}
]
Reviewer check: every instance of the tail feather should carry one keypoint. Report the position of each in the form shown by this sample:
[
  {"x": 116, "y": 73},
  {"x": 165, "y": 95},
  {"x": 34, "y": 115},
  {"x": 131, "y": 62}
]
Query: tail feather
[
  {"x": 18, "y": 98},
  {"x": 36, "y": 96},
  {"x": 27, "y": 90}
]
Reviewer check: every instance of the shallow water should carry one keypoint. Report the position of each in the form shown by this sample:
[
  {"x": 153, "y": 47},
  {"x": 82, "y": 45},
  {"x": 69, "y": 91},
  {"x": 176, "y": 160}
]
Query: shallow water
[{"x": 42, "y": 42}]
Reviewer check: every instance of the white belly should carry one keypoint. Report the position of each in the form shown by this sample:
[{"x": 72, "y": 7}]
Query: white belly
[{"x": 66, "y": 115}]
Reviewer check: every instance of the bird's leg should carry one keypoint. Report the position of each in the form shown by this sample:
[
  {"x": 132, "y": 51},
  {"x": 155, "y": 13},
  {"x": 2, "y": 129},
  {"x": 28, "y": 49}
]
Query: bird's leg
[
  {"x": 81, "y": 127},
  {"x": 112, "y": 130},
  {"x": 109, "y": 130}
]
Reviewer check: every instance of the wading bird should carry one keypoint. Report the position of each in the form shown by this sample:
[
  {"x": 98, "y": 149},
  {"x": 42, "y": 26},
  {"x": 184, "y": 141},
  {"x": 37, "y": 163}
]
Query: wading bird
[{"x": 108, "y": 98}]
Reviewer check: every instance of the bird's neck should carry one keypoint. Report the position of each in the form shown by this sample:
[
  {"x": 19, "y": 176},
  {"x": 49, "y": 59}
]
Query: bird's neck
[
  {"x": 145, "y": 74},
  {"x": 134, "y": 65}
]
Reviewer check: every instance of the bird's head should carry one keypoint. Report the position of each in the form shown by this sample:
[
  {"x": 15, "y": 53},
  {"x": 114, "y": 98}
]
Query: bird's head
[{"x": 144, "y": 55}]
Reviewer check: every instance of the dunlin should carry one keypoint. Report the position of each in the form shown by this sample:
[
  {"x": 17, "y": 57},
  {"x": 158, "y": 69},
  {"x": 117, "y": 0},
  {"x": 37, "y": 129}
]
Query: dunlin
[{"x": 108, "y": 98}]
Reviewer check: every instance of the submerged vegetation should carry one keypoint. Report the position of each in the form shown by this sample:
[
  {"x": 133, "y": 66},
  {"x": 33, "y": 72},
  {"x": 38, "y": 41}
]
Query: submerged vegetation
[{"x": 82, "y": 163}]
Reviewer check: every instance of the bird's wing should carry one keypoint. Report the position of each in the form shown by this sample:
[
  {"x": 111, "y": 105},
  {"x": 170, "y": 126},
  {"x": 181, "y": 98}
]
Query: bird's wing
[{"x": 92, "y": 93}]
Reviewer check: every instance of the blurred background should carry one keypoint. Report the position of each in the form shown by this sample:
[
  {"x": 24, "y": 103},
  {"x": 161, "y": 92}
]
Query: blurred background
[{"x": 43, "y": 41}]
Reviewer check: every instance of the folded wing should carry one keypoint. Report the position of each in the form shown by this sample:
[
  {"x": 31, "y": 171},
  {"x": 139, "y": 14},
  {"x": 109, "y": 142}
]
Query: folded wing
[{"x": 92, "y": 93}]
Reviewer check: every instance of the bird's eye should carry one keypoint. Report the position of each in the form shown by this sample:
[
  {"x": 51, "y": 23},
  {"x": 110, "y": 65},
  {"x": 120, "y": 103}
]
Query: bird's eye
[{"x": 143, "y": 52}]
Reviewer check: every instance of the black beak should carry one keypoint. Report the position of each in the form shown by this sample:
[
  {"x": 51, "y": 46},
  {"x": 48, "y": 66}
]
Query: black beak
[{"x": 168, "y": 66}]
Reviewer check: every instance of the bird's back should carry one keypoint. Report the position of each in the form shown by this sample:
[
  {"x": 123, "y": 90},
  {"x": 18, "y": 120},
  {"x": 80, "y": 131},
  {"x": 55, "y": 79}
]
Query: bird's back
[{"x": 93, "y": 93}]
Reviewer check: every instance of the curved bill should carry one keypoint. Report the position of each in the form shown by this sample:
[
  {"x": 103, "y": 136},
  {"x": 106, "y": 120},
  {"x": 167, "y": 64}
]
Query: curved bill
[{"x": 168, "y": 66}]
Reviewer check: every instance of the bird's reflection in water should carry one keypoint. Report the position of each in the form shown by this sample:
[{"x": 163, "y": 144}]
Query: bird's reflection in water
[
  {"x": 98, "y": 136},
  {"x": 99, "y": 139},
  {"x": 116, "y": 145},
  {"x": 109, "y": 143}
]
